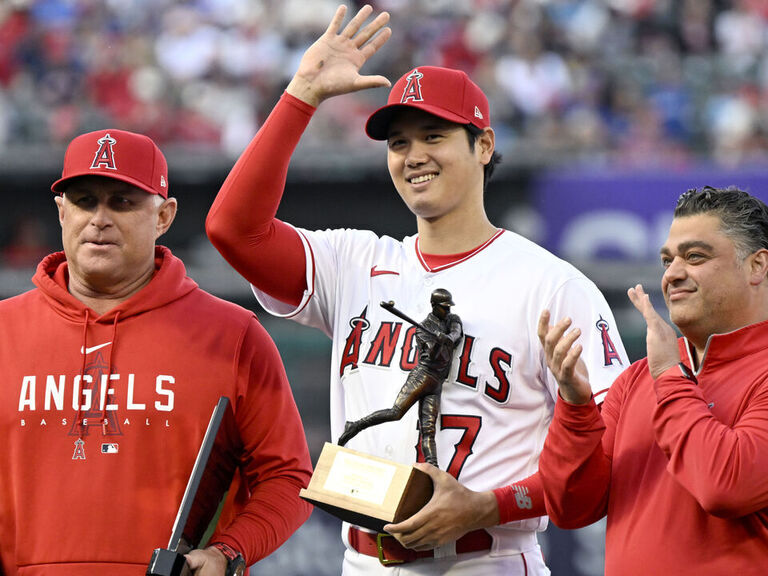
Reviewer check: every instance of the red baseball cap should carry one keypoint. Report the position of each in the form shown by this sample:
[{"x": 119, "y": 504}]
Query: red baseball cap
[
  {"x": 132, "y": 158},
  {"x": 444, "y": 92}
]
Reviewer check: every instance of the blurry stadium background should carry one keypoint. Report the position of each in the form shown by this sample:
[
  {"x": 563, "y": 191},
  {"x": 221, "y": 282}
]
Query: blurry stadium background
[{"x": 604, "y": 110}]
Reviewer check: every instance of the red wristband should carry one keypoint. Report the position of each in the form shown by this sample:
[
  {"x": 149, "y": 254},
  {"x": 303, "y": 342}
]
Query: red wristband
[{"x": 521, "y": 500}]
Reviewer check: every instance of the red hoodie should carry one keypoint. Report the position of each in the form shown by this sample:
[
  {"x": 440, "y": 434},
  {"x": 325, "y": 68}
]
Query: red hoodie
[{"x": 97, "y": 499}]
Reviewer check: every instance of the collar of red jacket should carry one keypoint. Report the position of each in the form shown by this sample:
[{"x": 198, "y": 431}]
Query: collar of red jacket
[
  {"x": 724, "y": 348},
  {"x": 169, "y": 283}
]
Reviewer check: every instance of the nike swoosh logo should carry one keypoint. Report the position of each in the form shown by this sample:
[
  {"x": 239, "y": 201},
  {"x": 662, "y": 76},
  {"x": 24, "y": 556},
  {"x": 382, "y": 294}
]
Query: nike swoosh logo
[
  {"x": 93, "y": 348},
  {"x": 375, "y": 272}
]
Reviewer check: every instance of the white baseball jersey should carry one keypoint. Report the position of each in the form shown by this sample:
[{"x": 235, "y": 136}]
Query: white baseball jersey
[{"x": 497, "y": 401}]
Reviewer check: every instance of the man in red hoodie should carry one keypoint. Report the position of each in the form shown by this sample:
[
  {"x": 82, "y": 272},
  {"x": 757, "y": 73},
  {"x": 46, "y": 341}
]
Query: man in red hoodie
[
  {"x": 677, "y": 459},
  {"x": 111, "y": 368}
]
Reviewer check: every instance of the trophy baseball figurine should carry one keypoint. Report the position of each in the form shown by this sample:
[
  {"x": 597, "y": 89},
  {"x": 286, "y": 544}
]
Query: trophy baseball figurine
[{"x": 436, "y": 338}]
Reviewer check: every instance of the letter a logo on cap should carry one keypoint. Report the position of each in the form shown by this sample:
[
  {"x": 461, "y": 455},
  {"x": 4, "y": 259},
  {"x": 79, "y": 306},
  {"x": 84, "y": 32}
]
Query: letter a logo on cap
[
  {"x": 105, "y": 156},
  {"x": 412, "y": 90}
]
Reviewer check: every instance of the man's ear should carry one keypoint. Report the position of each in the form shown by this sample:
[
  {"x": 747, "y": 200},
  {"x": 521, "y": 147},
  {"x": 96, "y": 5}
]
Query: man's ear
[
  {"x": 166, "y": 213},
  {"x": 59, "y": 199},
  {"x": 759, "y": 267},
  {"x": 486, "y": 144}
]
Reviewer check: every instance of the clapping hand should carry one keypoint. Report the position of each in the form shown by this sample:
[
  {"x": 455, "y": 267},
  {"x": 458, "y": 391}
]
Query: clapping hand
[{"x": 563, "y": 356}]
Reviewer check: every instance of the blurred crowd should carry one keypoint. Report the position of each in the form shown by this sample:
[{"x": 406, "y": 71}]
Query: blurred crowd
[{"x": 630, "y": 82}]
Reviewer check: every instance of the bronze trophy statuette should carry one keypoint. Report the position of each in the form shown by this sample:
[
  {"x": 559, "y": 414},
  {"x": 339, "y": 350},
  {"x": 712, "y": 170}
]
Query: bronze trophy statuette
[{"x": 371, "y": 491}]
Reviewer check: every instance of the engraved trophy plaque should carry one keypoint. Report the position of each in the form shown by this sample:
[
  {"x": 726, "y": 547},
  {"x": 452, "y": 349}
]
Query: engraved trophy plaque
[{"x": 366, "y": 490}]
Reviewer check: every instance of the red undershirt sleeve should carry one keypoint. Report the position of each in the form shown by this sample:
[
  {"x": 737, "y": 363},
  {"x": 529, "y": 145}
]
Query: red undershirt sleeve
[
  {"x": 521, "y": 500},
  {"x": 241, "y": 223}
]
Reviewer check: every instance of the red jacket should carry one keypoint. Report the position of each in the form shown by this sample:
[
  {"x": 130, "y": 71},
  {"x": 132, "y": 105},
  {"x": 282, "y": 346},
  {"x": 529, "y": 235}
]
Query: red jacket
[
  {"x": 98, "y": 499},
  {"x": 680, "y": 469}
]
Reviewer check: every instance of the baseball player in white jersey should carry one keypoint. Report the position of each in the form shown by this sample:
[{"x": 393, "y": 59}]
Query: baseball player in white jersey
[{"x": 498, "y": 398}]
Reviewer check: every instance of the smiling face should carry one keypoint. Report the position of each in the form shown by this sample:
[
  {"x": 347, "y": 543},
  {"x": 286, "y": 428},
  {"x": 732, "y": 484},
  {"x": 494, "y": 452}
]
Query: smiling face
[
  {"x": 108, "y": 231},
  {"x": 708, "y": 288},
  {"x": 432, "y": 165}
]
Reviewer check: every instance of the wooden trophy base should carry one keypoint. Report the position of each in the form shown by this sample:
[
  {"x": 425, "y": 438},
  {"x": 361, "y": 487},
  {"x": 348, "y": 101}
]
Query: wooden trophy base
[{"x": 366, "y": 490}]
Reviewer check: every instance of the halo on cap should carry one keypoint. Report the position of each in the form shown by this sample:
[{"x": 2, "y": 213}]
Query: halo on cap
[
  {"x": 446, "y": 93},
  {"x": 117, "y": 154}
]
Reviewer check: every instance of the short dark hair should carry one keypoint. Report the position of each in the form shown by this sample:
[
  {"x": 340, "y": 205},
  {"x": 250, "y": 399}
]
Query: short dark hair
[
  {"x": 472, "y": 134},
  {"x": 743, "y": 217}
]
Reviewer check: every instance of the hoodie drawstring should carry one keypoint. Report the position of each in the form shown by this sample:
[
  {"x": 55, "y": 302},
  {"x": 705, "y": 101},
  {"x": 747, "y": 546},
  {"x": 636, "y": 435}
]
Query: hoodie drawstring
[
  {"x": 104, "y": 421},
  {"x": 84, "y": 351},
  {"x": 78, "y": 418}
]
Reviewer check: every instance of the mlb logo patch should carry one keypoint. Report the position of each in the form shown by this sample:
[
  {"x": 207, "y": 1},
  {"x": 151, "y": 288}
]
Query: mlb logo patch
[{"x": 109, "y": 448}]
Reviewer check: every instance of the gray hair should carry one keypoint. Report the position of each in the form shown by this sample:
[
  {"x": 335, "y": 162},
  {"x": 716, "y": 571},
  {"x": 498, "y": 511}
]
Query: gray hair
[{"x": 743, "y": 218}]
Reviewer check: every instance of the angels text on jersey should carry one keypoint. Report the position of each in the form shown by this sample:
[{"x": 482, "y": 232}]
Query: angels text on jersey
[{"x": 388, "y": 349}]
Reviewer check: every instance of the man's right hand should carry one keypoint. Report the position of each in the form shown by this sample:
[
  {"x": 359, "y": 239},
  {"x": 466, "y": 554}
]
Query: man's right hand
[
  {"x": 331, "y": 66},
  {"x": 563, "y": 356}
]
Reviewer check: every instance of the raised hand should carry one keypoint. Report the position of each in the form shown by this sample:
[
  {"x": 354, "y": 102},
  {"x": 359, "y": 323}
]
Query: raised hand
[
  {"x": 660, "y": 338},
  {"x": 331, "y": 66},
  {"x": 564, "y": 359}
]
